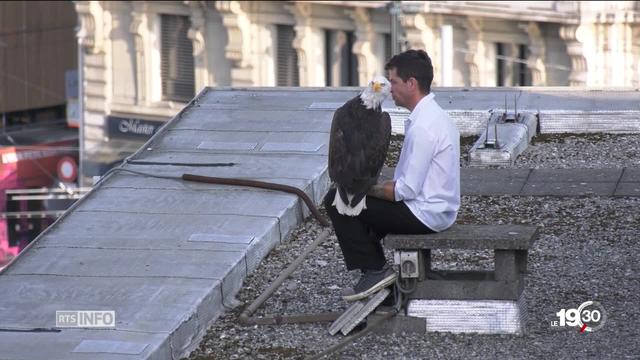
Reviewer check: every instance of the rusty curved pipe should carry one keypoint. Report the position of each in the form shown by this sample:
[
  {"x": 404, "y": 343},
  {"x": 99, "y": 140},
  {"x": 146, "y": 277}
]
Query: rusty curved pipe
[{"x": 262, "y": 185}]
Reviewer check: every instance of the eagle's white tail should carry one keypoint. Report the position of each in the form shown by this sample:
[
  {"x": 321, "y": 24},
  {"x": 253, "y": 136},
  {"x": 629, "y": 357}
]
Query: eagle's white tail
[{"x": 345, "y": 209}]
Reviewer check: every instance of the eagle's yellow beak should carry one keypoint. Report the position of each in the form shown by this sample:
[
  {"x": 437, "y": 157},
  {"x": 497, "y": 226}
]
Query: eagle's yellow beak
[{"x": 377, "y": 86}]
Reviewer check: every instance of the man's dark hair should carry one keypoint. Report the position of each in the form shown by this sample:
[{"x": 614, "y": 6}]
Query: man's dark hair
[{"x": 413, "y": 64}]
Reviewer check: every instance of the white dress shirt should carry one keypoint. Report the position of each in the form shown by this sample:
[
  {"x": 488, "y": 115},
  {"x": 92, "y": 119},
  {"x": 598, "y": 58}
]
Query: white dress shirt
[{"x": 428, "y": 172}]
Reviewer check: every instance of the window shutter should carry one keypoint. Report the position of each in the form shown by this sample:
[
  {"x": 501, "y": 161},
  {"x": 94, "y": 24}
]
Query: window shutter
[
  {"x": 522, "y": 72},
  {"x": 177, "y": 65},
  {"x": 352, "y": 60},
  {"x": 387, "y": 47},
  {"x": 500, "y": 65},
  {"x": 328, "y": 58},
  {"x": 287, "y": 64},
  {"x": 349, "y": 62}
]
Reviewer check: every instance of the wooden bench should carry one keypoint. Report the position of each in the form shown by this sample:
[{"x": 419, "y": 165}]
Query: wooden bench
[{"x": 510, "y": 244}]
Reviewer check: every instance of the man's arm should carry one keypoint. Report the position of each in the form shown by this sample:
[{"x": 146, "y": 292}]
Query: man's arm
[{"x": 384, "y": 191}]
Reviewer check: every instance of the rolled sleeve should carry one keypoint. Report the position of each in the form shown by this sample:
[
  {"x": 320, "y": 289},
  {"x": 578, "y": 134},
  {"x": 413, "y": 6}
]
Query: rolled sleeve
[{"x": 403, "y": 192}]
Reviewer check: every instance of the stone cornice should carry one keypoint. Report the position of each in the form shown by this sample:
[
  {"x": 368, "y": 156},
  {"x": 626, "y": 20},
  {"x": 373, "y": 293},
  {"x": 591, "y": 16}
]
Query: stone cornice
[
  {"x": 90, "y": 32},
  {"x": 564, "y": 12}
]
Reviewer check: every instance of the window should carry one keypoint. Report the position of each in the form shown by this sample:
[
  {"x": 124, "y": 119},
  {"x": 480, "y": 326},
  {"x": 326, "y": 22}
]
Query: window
[
  {"x": 287, "y": 72},
  {"x": 511, "y": 69},
  {"x": 340, "y": 62},
  {"x": 177, "y": 66},
  {"x": 387, "y": 47},
  {"x": 522, "y": 74},
  {"x": 350, "y": 62}
]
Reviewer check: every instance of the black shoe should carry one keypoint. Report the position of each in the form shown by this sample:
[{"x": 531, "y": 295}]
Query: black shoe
[{"x": 371, "y": 281}]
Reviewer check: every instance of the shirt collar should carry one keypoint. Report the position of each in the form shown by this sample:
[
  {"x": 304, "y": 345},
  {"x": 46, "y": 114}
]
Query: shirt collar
[{"x": 421, "y": 104}]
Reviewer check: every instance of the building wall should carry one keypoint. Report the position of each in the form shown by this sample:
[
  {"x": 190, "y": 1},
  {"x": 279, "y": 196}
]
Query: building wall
[
  {"x": 235, "y": 44},
  {"x": 37, "y": 46}
]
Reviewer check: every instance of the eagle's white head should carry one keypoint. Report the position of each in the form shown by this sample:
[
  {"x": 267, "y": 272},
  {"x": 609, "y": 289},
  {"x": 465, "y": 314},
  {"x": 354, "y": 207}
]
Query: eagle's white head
[{"x": 376, "y": 92}]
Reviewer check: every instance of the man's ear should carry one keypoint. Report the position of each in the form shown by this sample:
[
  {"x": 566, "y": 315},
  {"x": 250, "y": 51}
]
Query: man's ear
[{"x": 413, "y": 83}]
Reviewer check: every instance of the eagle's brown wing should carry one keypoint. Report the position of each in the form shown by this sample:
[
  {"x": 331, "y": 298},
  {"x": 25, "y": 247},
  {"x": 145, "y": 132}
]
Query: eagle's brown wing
[{"x": 358, "y": 146}]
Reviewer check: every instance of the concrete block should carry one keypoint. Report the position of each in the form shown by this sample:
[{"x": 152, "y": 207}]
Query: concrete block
[
  {"x": 506, "y": 266},
  {"x": 467, "y": 289},
  {"x": 512, "y": 138}
]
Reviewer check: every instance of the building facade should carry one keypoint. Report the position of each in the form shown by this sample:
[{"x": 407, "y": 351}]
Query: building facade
[{"x": 143, "y": 61}]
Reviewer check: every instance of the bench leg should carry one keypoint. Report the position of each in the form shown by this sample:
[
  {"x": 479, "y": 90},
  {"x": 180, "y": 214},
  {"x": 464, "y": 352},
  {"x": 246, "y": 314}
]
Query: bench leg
[
  {"x": 521, "y": 261},
  {"x": 506, "y": 267},
  {"x": 426, "y": 260}
]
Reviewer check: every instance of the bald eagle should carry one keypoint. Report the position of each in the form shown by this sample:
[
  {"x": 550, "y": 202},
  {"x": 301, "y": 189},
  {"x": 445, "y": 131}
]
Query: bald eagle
[{"x": 358, "y": 144}]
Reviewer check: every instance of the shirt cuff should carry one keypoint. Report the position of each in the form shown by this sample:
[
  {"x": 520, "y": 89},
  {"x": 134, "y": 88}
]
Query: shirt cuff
[{"x": 402, "y": 191}]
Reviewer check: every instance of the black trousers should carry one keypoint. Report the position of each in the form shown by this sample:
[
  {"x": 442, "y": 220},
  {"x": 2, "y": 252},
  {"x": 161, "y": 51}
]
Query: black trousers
[{"x": 359, "y": 236}]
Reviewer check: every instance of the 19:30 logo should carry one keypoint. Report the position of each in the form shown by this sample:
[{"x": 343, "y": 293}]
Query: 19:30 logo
[{"x": 588, "y": 317}]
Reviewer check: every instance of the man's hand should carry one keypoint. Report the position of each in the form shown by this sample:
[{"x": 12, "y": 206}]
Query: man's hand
[{"x": 384, "y": 191}]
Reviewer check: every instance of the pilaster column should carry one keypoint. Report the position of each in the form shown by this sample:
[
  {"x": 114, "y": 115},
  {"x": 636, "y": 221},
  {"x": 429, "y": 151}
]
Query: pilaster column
[
  {"x": 139, "y": 31},
  {"x": 420, "y": 34},
  {"x": 91, "y": 37},
  {"x": 537, "y": 50},
  {"x": 362, "y": 48},
  {"x": 340, "y": 40},
  {"x": 475, "y": 49},
  {"x": 196, "y": 35},
  {"x": 238, "y": 50},
  {"x": 570, "y": 35},
  {"x": 635, "y": 46},
  {"x": 302, "y": 42}
]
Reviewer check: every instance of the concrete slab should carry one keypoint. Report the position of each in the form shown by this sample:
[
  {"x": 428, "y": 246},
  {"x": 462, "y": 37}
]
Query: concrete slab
[
  {"x": 628, "y": 189},
  {"x": 485, "y": 188},
  {"x": 228, "y": 267},
  {"x": 267, "y": 204},
  {"x": 60, "y": 346},
  {"x": 134, "y": 300},
  {"x": 630, "y": 175},
  {"x": 575, "y": 175},
  {"x": 480, "y": 182},
  {"x": 110, "y": 346},
  {"x": 163, "y": 234},
  {"x": 274, "y": 99},
  {"x": 256, "y": 120},
  {"x": 502, "y": 237},
  {"x": 568, "y": 188},
  {"x": 493, "y": 175},
  {"x": 260, "y": 164},
  {"x": 309, "y": 176},
  {"x": 244, "y": 142},
  {"x": 128, "y": 263}
]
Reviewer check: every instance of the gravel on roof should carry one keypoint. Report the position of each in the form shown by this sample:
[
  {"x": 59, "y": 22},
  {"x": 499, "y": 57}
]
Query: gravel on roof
[{"x": 587, "y": 250}]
